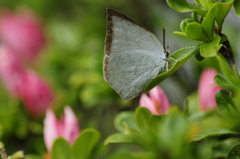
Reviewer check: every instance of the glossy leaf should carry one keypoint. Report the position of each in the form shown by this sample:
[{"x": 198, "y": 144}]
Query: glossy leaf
[
  {"x": 84, "y": 144},
  {"x": 118, "y": 138},
  {"x": 236, "y": 5},
  {"x": 180, "y": 5},
  {"x": 181, "y": 55},
  {"x": 194, "y": 31},
  {"x": 210, "y": 49},
  {"x": 60, "y": 149}
]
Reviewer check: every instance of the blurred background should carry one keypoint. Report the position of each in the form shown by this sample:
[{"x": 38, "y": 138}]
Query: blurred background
[{"x": 72, "y": 64}]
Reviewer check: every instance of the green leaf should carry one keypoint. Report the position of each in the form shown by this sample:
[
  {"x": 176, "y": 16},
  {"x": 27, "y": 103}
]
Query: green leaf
[
  {"x": 222, "y": 82},
  {"x": 229, "y": 74},
  {"x": 118, "y": 138},
  {"x": 84, "y": 144},
  {"x": 30, "y": 156},
  {"x": 212, "y": 125},
  {"x": 234, "y": 153},
  {"x": 181, "y": 55},
  {"x": 184, "y": 23},
  {"x": 208, "y": 22},
  {"x": 210, "y": 49},
  {"x": 194, "y": 31},
  {"x": 142, "y": 115},
  {"x": 222, "y": 10},
  {"x": 192, "y": 103},
  {"x": 60, "y": 149},
  {"x": 17, "y": 155},
  {"x": 206, "y": 3},
  {"x": 125, "y": 118},
  {"x": 155, "y": 120},
  {"x": 236, "y": 5},
  {"x": 225, "y": 103},
  {"x": 180, "y": 33},
  {"x": 181, "y": 5}
]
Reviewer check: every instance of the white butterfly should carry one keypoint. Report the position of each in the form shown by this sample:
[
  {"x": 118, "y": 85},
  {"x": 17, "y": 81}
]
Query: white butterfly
[{"x": 133, "y": 55}]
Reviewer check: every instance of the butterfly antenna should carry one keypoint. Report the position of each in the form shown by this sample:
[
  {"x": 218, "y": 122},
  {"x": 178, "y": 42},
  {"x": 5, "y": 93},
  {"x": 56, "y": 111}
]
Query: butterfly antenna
[
  {"x": 166, "y": 51},
  {"x": 163, "y": 32}
]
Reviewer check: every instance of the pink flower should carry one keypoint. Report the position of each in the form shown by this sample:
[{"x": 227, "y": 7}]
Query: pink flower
[
  {"x": 157, "y": 103},
  {"x": 11, "y": 70},
  {"x": 67, "y": 127},
  {"x": 207, "y": 91},
  {"x": 35, "y": 93},
  {"x": 22, "y": 32}
]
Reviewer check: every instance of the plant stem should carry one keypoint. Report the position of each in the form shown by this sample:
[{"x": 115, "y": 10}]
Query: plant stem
[
  {"x": 3, "y": 153},
  {"x": 227, "y": 52}
]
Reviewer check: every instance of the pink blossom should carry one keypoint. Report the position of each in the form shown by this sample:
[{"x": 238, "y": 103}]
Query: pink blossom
[
  {"x": 67, "y": 127},
  {"x": 35, "y": 93},
  {"x": 22, "y": 32},
  {"x": 207, "y": 91},
  {"x": 157, "y": 103},
  {"x": 11, "y": 70}
]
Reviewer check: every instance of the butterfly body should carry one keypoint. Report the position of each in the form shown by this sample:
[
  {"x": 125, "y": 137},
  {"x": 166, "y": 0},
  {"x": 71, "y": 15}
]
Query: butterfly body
[{"x": 133, "y": 55}]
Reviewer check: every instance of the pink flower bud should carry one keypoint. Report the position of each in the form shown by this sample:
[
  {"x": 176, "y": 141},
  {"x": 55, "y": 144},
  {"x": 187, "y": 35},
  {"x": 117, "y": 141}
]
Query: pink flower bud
[
  {"x": 22, "y": 32},
  {"x": 11, "y": 70},
  {"x": 67, "y": 127},
  {"x": 35, "y": 94},
  {"x": 207, "y": 90},
  {"x": 157, "y": 103}
]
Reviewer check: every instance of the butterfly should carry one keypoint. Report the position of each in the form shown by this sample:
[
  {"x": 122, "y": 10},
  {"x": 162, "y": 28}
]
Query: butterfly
[{"x": 133, "y": 55}]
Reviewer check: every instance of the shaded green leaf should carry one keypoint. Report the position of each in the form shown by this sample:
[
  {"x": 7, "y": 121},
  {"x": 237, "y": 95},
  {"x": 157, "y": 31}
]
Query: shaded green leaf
[
  {"x": 125, "y": 118},
  {"x": 222, "y": 82},
  {"x": 180, "y": 5},
  {"x": 231, "y": 75},
  {"x": 234, "y": 153},
  {"x": 210, "y": 49},
  {"x": 118, "y": 138},
  {"x": 213, "y": 125},
  {"x": 181, "y": 55},
  {"x": 84, "y": 144},
  {"x": 236, "y": 5},
  {"x": 225, "y": 103},
  {"x": 198, "y": 56},
  {"x": 142, "y": 115},
  {"x": 60, "y": 149}
]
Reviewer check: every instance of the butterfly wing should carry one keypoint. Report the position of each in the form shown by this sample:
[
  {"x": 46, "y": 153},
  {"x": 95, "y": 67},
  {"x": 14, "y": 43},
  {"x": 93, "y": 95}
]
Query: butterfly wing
[{"x": 133, "y": 55}]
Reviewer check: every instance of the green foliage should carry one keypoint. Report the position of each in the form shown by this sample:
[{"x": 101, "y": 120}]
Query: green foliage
[
  {"x": 180, "y": 57},
  {"x": 236, "y": 5},
  {"x": 82, "y": 147}
]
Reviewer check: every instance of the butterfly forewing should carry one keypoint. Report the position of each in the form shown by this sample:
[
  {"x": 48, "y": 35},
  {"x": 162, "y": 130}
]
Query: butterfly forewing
[{"x": 133, "y": 55}]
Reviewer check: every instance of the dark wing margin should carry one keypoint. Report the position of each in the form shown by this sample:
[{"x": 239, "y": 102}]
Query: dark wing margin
[{"x": 109, "y": 31}]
